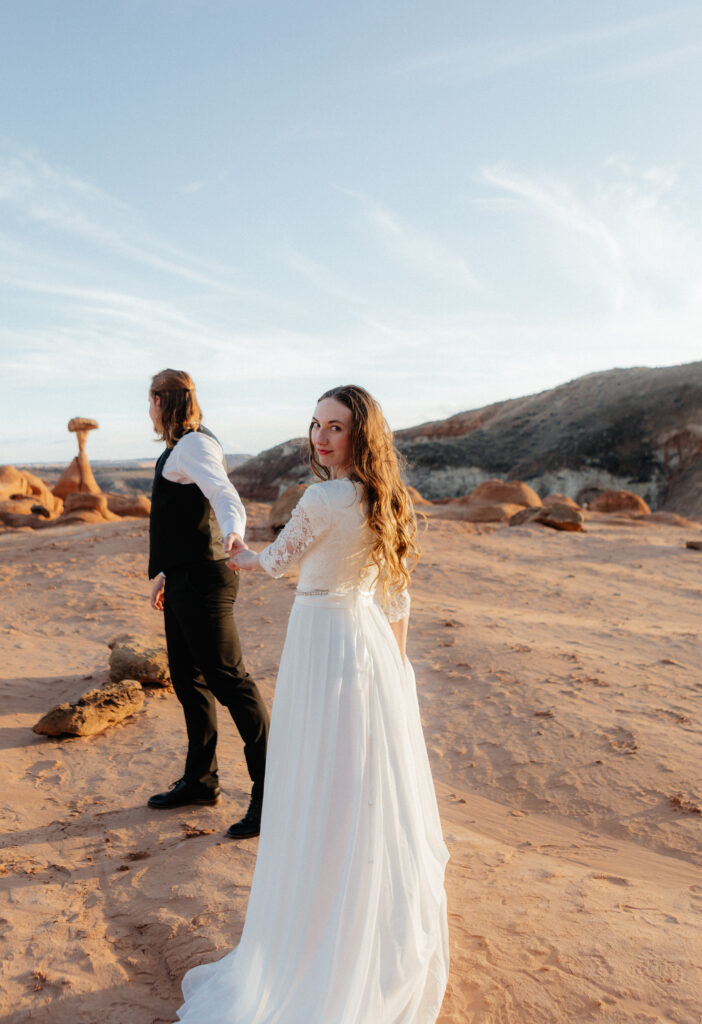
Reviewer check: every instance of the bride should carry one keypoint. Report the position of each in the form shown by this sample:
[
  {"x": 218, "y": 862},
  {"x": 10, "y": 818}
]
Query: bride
[{"x": 346, "y": 922}]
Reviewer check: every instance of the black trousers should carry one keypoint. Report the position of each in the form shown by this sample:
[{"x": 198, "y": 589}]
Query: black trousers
[{"x": 206, "y": 666}]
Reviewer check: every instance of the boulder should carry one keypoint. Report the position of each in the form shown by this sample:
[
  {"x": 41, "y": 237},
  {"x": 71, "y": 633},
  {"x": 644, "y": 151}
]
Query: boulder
[
  {"x": 281, "y": 509},
  {"x": 94, "y": 712},
  {"x": 416, "y": 497},
  {"x": 558, "y": 517},
  {"x": 561, "y": 517},
  {"x": 77, "y": 505},
  {"x": 139, "y": 657},
  {"x": 559, "y": 499},
  {"x": 481, "y": 512},
  {"x": 619, "y": 501},
  {"x": 16, "y": 484},
  {"x": 134, "y": 505},
  {"x": 503, "y": 492},
  {"x": 694, "y": 545}
]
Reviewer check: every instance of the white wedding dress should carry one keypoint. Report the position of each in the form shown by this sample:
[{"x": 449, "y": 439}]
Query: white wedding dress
[{"x": 346, "y": 922}]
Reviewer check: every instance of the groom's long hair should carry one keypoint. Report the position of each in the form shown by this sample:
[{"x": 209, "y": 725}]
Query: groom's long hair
[
  {"x": 180, "y": 411},
  {"x": 376, "y": 464}
]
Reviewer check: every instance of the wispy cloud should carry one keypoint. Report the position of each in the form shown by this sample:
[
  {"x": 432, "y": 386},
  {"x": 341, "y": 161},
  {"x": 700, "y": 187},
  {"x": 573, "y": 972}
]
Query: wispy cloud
[
  {"x": 649, "y": 64},
  {"x": 425, "y": 254},
  {"x": 486, "y": 57},
  {"x": 36, "y": 192}
]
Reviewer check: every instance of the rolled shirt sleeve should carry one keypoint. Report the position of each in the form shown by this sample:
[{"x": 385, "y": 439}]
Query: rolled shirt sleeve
[{"x": 198, "y": 459}]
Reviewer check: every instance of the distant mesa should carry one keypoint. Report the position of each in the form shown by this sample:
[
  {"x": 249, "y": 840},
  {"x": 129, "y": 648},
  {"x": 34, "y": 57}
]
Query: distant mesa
[{"x": 637, "y": 430}]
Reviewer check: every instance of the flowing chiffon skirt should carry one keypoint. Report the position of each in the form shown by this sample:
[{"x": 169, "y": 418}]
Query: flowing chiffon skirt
[{"x": 346, "y": 922}]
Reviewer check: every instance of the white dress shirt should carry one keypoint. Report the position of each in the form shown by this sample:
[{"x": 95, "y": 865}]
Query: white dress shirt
[{"x": 198, "y": 459}]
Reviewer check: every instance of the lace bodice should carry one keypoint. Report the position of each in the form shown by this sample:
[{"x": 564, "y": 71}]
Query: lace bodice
[{"x": 328, "y": 534}]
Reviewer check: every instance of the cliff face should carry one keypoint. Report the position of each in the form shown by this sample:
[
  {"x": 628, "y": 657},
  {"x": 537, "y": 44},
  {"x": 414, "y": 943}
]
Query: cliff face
[{"x": 639, "y": 429}]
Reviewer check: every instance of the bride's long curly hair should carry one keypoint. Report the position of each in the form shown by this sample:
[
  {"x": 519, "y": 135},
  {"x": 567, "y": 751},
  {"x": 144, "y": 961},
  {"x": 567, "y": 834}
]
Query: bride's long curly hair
[{"x": 376, "y": 464}]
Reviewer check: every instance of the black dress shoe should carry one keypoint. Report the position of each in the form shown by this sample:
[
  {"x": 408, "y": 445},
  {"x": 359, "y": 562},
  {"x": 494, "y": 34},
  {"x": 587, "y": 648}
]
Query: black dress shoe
[
  {"x": 182, "y": 793},
  {"x": 250, "y": 824}
]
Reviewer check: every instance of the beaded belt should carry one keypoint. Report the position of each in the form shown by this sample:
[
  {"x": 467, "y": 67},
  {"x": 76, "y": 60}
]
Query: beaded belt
[{"x": 333, "y": 598}]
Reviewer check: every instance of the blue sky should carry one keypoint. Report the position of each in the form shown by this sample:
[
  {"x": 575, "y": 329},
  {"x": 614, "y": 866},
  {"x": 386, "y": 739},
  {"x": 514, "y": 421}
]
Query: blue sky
[{"x": 448, "y": 202}]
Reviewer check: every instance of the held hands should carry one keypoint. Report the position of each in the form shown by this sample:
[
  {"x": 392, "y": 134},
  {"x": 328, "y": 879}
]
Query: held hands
[
  {"x": 157, "y": 593},
  {"x": 242, "y": 557}
]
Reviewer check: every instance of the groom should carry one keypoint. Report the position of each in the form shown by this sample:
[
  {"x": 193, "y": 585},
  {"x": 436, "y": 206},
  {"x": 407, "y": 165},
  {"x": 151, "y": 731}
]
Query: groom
[{"x": 196, "y": 518}]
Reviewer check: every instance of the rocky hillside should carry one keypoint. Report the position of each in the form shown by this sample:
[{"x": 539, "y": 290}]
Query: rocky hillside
[{"x": 639, "y": 429}]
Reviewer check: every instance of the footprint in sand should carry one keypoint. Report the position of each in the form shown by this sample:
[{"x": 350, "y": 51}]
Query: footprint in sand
[
  {"x": 612, "y": 879},
  {"x": 621, "y": 740}
]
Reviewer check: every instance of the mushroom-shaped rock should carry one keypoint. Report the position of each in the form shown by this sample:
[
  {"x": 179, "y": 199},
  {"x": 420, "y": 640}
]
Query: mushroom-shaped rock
[
  {"x": 508, "y": 492},
  {"x": 139, "y": 657},
  {"x": 281, "y": 509},
  {"x": 94, "y": 711},
  {"x": 619, "y": 501},
  {"x": 78, "y": 477}
]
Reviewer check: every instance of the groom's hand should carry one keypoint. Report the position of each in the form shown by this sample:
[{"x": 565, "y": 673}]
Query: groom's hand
[{"x": 233, "y": 543}]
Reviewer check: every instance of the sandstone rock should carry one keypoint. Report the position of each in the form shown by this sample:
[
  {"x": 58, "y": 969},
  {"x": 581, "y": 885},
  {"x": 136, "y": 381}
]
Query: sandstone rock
[
  {"x": 694, "y": 545},
  {"x": 93, "y": 712},
  {"x": 558, "y": 517},
  {"x": 619, "y": 501},
  {"x": 510, "y": 492},
  {"x": 416, "y": 497},
  {"x": 481, "y": 512},
  {"x": 78, "y": 477},
  {"x": 136, "y": 505},
  {"x": 139, "y": 657},
  {"x": 81, "y": 503},
  {"x": 282, "y": 508},
  {"x": 561, "y": 517},
  {"x": 16, "y": 484},
  {"x": 559, "y": 499}
]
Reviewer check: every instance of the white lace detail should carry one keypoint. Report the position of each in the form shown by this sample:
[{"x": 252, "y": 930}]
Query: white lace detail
[
  {"x": 329, "y": 535},
  {"x": 309, "y": 520},
  {"x": 398, "y": 606}
]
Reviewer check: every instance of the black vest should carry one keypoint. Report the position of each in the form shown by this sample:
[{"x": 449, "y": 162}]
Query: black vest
[{"x": 183, "y": 527}]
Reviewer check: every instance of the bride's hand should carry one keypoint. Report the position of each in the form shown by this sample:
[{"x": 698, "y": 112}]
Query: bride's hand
[{"x": 243, "y": 558}]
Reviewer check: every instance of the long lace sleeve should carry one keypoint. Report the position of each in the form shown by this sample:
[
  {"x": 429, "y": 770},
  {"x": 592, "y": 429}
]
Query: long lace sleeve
[
  {"x": 395, "y": 603},
  {"x": 310, "y": 518}
]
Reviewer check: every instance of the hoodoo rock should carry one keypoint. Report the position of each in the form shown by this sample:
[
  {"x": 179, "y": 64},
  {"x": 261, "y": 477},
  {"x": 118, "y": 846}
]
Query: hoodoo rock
[
  {"x": 94, "y": 712},
  {"x": 619, "y": 501},
  {"x": 558, "y": 517},
  {"x": 78, "y": 477},
  {"x": 141, "y": 658}
]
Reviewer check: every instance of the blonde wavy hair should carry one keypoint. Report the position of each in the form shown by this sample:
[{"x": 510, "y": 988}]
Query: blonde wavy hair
[
  {"x": 180, "y": 412},
  {"x": 376, "y": 464}
]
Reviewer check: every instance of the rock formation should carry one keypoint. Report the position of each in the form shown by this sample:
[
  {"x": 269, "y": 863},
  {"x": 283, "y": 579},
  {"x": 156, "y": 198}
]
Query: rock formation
[
  {"x": 134, "y": 505},
  {"x": 637, "y": 429},
  {"x": 141, "y": 658},
  {"x": 93, "y": 712},
  {"x": 559, "y": 517},
  {"x": 78, "y": 477},
  {"x": 619, "y": 501},
  {"x": 20, "y": 491}
]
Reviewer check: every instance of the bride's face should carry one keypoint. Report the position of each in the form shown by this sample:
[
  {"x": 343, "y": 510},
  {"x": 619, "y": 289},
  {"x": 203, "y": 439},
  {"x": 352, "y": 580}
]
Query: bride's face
[{"x": 330, "y": 433}]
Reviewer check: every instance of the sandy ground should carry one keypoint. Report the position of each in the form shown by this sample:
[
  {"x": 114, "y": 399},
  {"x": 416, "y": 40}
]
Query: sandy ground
[{"x": 560, "y": 690}]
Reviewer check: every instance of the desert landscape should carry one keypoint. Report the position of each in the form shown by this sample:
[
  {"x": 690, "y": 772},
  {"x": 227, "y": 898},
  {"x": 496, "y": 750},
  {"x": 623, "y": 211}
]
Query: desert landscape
[
  {"x": 556, "y": 647},
  {"x": 559, "y": 685}
]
